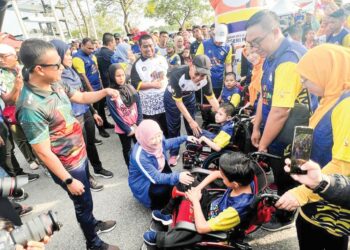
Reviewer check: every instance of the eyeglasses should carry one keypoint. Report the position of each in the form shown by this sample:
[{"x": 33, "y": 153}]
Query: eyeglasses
[
  {"x": 256, "y": 43},
  {"x": 56, "y": 65}
]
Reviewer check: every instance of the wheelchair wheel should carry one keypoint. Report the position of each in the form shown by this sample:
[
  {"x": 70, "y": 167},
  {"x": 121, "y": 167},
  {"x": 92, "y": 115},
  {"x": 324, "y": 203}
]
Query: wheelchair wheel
[{"x": 212, "y": 162}]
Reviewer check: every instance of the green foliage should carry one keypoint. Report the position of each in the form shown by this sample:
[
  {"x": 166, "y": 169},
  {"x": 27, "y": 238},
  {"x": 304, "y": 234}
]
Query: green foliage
[{"x": 176, "y": 11}]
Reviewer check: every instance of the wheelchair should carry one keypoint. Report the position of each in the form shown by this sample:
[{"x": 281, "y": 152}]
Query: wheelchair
[
  {"x": 259, "y": 212},
  {"x": 197, "y": 155}
]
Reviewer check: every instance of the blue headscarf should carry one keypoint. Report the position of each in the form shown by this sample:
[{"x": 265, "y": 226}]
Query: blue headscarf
[
  {"x": 61, "y": 47},
  {"x": 121, "y": 53}
]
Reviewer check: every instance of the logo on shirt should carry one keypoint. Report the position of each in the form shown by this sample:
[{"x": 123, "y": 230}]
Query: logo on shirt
[{"x": 144, "y": 68}]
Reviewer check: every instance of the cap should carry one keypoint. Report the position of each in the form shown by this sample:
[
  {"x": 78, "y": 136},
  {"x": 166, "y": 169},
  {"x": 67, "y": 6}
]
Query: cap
[
  {"x": 340, "y": 13},
  {"x": 7, "y": 49},
  {"x": 220, "y": 33},
  {"x": 117, "y": 35},
  {"x": 202, "y": 64}
]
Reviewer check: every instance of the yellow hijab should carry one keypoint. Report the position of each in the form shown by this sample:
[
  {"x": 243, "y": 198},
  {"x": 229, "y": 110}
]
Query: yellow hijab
[{"x": 327, "y": 66}]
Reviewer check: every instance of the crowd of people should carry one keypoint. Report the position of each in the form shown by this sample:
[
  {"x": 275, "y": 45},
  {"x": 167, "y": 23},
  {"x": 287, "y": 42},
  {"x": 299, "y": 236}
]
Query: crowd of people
[{"x": 55, "y": 94}]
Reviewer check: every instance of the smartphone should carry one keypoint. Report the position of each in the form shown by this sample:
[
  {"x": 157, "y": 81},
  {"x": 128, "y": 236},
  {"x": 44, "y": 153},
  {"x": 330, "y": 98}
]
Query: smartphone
[{"x": 301, "y": 149}]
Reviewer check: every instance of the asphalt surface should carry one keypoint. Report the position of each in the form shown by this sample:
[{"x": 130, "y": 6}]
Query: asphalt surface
[{"x": 116, "y": 202}]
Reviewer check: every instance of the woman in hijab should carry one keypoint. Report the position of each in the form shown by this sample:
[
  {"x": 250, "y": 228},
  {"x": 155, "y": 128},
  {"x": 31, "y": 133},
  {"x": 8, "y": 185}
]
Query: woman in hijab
[
  {"x": 126, "y": 110},
  {"x": 325, "y": 72},
  {"x": 84, "y": 113},
  {"x": 150, "y": 177}
]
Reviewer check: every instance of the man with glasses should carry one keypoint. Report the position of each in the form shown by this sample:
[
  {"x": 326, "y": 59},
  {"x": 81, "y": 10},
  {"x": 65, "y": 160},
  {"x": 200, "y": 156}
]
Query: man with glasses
[
  {"x": 280, "y": 90},
  {"x": 148, "y": 76},
  {"x": 180, "y": 99},
  {"x": 45, "y": 113}
]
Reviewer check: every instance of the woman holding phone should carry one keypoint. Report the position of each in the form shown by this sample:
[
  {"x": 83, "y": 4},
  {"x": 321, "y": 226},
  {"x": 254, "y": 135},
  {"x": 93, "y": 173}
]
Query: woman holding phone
[{"x": 325, "y": 72}]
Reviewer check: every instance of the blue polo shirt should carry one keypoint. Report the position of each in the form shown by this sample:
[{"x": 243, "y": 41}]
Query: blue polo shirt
[
  {"x": 219, "y": 56},
  {"x": 342, "y": 38},
  {"x": 87, "y": 64},
  {"x": 232, "y": 96},
  {"x": 280, "y": 84}
]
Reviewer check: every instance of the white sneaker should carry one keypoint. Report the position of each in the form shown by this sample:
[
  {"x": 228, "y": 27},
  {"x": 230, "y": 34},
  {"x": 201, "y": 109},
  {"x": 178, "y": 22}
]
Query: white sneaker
[{"x": 33, "y": 165}]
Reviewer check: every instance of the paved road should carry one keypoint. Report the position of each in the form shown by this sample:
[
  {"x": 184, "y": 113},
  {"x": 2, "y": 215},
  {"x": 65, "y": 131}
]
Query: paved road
[{"x": 116, "y": 202}]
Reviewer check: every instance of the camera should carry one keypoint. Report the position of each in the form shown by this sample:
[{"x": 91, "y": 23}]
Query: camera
[
  {"x": 12, "y": 186},
  {"x": 33, "y": 230}
]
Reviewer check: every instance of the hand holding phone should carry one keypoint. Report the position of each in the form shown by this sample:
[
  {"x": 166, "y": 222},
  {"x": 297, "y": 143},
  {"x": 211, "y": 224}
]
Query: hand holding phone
[{"x": 301, "y": 149}]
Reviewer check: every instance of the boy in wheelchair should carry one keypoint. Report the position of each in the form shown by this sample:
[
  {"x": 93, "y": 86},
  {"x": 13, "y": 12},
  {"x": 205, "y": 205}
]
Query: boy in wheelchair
[
  {"x": 223, "y": 117},
  {"x": 219, "y": 214}
]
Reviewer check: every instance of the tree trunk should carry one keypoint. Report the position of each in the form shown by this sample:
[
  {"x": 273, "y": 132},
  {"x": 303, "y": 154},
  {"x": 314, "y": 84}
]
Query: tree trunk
[
  {"x": 126, "y": 23},
  {"x": 84, "y": 19},
  {"x": 75, "y": 18},
  {"x": 126, "y": 8}
]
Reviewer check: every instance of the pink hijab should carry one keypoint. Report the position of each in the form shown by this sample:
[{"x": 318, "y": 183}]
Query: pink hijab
[{"x": 144, "y": 133}]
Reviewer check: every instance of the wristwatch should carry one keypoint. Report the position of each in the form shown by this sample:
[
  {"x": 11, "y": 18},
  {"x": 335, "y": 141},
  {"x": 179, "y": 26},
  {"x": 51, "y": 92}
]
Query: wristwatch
[
  {"x": 321, "y": 186},
  {"x": 68, "y": 181}
]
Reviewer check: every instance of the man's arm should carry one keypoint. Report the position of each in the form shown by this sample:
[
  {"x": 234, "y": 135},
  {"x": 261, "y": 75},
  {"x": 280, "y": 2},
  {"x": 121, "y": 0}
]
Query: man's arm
[
  {"x": 274, "y": 124},
  {"x": 92, "y": 97},
  {"x": 79, "y": 66},
  {"x": 11, "y": 97},
  {"x": 43, "y": 150},
  {"x": 214, "y": 103},
  {"x": 257, "y": 122}
]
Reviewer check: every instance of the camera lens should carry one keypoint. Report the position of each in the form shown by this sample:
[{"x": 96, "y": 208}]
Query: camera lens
[
  {"x": 11, "y": 186},
  {"x": 36, "y": 229}
]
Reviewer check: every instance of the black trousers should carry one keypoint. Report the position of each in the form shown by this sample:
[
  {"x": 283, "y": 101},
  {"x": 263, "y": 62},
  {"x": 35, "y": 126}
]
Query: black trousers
[
  {"x": 160, "y": 194},
  {"x": 100, "y": 107},
  {"x": 161, "y": 120},
  {"x": 89, "y": 138},
  {"x": 8, "y": 159},
  {"x": 311, "y": 237},
  {"x": 126, "y": 142}
]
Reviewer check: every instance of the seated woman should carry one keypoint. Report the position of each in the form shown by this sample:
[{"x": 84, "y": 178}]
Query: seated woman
[
  {"x": 150, "y": 177},
  {"x": 224, "y": 212}
]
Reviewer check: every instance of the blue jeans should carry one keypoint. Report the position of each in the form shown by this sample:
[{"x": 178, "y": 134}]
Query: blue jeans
[{"x": 83, "y": 205}]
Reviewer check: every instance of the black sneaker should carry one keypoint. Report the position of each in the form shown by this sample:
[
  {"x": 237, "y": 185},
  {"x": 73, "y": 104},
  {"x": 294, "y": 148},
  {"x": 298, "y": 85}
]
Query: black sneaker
[
  {"x": 98, "y": 142},
  {"x": 104, "y": 173},
  {"x": 275, "y": 224},
  {"x": 105, "y": 226},
  {"x": 108, "y": 126},
  {"x": 104, "y": 133},
  {"x": 94, "y": 185},
  {"x": 31, "y": 177},
  {"x": 25, "y": 211},
  {"x": 104, "y": 246}
]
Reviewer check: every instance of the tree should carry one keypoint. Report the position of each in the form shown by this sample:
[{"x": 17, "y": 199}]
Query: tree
[
  {"x": 84, "y": 18},
  {"x": 176, "y": 12},
  {"x": 127, "y": 7}
]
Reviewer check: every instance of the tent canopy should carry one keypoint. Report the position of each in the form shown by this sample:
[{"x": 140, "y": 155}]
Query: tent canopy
[{"x": 284, "y": 7}]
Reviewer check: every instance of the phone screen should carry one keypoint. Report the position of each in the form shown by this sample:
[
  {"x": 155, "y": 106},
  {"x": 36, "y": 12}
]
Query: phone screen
[{"x": 301, "y": 149}]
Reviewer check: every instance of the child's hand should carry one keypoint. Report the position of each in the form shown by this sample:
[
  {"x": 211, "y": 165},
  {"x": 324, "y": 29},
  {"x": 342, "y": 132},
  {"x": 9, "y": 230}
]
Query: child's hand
[
  {"x": 98, "y": 119},
  {"x": 192, "y": 139},
  {"x": 194, "y": 194},
  {"x": 202, "y": 139}
]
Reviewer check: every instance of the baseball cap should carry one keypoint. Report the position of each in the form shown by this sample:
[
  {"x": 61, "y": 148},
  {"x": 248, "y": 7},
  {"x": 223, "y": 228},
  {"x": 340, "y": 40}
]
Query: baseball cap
[
  {"x": 202, "y": 64},
  {"x": 220, "y": 33},
  {"x": 340, "y": 13},
  {"x": 7, "y": 49},
  {"x": 117, "y": 35}
]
